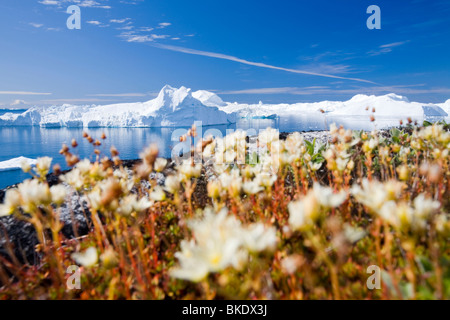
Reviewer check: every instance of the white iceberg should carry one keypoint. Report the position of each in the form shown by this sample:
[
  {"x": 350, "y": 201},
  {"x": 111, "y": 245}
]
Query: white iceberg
[
  {"x": 390, "y": 105},
  {"x": 208, "y": 98},
  {"x": 445, "y": 106},
  {"x": 387, "y": 106},
  {"x": 172, "y": 107},
  {"x": 434, "y": 111},
  {"x": 16, "y": 163}
]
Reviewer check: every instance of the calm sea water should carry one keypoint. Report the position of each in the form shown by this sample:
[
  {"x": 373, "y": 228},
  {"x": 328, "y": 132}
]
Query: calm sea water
[{"x": 33, "y": 142}]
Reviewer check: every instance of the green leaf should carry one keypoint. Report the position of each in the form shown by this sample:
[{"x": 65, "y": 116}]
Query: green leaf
[{"x": 395, "y": 132}]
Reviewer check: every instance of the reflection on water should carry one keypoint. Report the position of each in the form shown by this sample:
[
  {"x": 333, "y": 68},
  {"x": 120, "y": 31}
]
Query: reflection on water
[{"x": 33, "y": 142}]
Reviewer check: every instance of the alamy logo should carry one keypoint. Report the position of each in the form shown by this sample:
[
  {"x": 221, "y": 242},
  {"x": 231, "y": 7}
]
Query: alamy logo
[
  {"x": 374, "y": 21},
  {"x": 74, "y": 280},
  {"x": 74, "y": 21},
  {"x": 374, "y": 281}
]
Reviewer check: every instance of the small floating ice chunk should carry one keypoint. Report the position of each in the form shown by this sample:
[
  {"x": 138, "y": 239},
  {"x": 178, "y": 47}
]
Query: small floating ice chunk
[{"x": 16, "y": 163}]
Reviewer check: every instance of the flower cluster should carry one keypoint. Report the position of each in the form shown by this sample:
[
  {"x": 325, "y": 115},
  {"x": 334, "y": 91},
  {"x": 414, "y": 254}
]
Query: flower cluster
[
  {"x": 219, "y": 241},
  {"x": 257, "y": 216}
]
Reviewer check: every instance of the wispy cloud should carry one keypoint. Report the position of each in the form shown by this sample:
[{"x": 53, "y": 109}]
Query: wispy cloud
[
  {"x": 324, "y": 90},
  {"x": 128, "y": 27},
  {"x": 82, "y": 100},
  {"x": 394, "y": 44},
  {"x": 118, "y": 95},
  {"x": 94, "y": 22},
  {"x": 131, "y": 37},
  {"x": 145, "y": 29},
  {"x": 119, "y": 20},
  {"x": 328, "y": 68},
  {"x": 18, "y": 102},
  {"x": 50, "y": 2},
  {"x": 81, "y": 3},
  {"x": 25, "y": 93},
  {"x": 251, "y": 63},
  {"x": 87, "y": 3},
  {"x": 163, "y": 25},
  {"x": 36, "y": 25},
  {"x": 386, "y": 48},
  {"x": 135, "y": 2}
]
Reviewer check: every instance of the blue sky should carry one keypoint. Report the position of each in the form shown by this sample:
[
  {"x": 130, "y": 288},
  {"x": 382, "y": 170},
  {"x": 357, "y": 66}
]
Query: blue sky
[{"x": 246, "y": 51}]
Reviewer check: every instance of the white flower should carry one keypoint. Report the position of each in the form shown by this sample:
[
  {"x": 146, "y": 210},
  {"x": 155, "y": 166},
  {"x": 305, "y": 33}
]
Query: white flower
[
  {"x": 230, "y": 156},
  {"x": 266, "y": 179},
  {"x": 94, "y": 198},
  {"x": 172, "y": 184},
  {"x": 251, "y": 187},
  {"x": 74, "y": 179},
  {"x": 304, "y": 212},
  {"x": 290, "y": 264},
  {"x": 209, "y": 150},
  {"x": 353, "y": 234},
  {"x": 191, "y": 268},
  {"x": 341, "y": 163},
  {"x": 126, "y": 206},
  {"x": 259, "y": 238},
  {"x": 327, "y": 198},
  {"x": 214, "y": 189},
  {"x": 187, "y": 170},
  {"x": 84, "y": 166},
  {"x": 6, "y": 210},
  {"x": 220, "y": 242},
  {"x": 11, "y": 202},
  {"x": 206, "y": 228},
  {"x": 142, "y": 204},
  {"x": 398, "y": 215},
  {"x": 442, "y": 223},
  {"x": 34, "y": 194},
  {"x": 423, "y": 207},
  {"x": 130, "y": 204},
  {"x": 316, "y": 166},
  {"x": 87, "y": 258},
  {"x": 59, "y": 193},
  {"x": 333, "y": 129},
  {"x": 293, "y": 142},
  {"x": 268, "y": 136},
  {"x": 235, "y": 187},
  {"x": 218, "y": 254},
  {"x": 225, "y": 180},
  {"x": 25, "y": 165},
  {"x": 160, "y": 164},
  {"x": 404, "y": 151},
  {"x": 374, "y": 194},
  {"x": 328, "y": 154},
  {"x": 43, "y": 165},
  {"x": 158, "y": 194}
]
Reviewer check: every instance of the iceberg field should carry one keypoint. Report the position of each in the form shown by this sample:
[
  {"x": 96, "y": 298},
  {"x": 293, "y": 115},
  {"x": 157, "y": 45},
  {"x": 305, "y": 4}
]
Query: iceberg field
[
  {"x": 390, "y": 105},
  {"x": 181, "y": 107}
]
